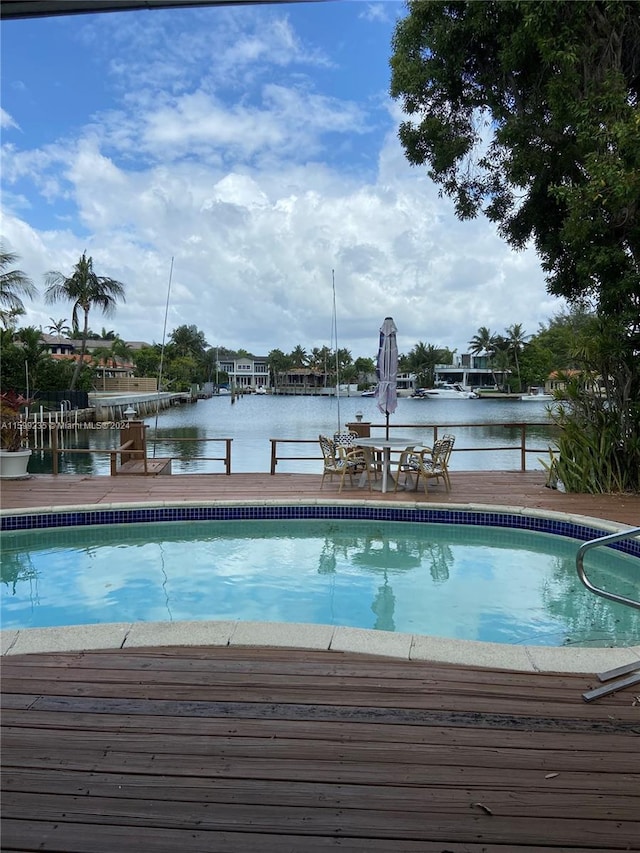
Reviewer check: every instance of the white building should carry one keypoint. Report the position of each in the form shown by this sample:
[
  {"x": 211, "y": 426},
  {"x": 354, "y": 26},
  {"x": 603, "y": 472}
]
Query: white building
[{"x": 246, "y": 372}]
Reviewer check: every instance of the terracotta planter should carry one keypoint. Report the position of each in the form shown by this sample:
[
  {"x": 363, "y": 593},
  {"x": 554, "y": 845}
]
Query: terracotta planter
[{"x": 13, "y": 464}]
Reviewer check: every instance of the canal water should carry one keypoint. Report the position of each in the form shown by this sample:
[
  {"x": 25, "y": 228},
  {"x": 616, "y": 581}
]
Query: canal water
[{"x": 250, "y": 421}]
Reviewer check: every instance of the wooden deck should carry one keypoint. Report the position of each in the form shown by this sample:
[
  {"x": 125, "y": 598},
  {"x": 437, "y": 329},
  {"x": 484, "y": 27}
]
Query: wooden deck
[
  {"x": 232, "y": 749},
  {"x": 503, "y": 488},
  {"x": 156, "y": 750}
]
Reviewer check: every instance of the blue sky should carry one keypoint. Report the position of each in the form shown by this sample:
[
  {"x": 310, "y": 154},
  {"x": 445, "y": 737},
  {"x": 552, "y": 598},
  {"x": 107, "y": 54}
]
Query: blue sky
[{"x": 257, "y": 147}]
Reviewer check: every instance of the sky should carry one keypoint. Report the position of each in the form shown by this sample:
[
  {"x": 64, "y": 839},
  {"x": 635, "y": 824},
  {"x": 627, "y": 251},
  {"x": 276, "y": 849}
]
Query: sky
[{"x": 238, "y": 169}]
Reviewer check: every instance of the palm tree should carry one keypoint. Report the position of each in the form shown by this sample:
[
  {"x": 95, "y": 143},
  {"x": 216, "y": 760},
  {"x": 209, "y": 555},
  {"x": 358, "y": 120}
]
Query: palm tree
[
  {"x": 86, "y": 290},
  {"x": 483, "y": 341},
  {"x": 59, "y": 327},
  {"x": 422, "y": 361},
  {"x": 279, "y": 363},
  {"x": 119, "y": 351},
  {"x": 33, "y": 352},
  {"x": 299, "y": 357},
  {"x": 188, "y": 340},
  {"x": 13, "y": 285},
  {"x": 516, "y": 339}
]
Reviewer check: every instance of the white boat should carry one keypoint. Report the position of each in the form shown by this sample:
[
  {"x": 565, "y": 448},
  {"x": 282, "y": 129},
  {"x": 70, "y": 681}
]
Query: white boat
[
  {"x": 260, "y": 390},
  {"x": 536, "y": 395},
  {"x": 453, "y": 391},
  {"x": 368, "y": 393}
]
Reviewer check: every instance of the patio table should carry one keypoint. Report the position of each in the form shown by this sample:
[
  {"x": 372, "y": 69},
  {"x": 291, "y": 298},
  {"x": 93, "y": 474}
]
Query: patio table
[{"x": 386, "y": 445}]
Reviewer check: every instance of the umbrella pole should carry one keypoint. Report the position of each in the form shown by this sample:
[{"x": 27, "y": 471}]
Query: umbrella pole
[{"x": 386, "y": 435}]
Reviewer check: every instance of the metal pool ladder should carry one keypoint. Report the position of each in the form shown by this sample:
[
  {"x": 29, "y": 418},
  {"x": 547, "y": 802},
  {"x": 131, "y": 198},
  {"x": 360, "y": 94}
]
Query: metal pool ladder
[{"x": 632, "y": 670}]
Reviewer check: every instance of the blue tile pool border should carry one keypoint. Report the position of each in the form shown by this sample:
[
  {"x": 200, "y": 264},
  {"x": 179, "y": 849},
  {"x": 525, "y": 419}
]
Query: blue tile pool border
[{"x": 141, "y": 515}]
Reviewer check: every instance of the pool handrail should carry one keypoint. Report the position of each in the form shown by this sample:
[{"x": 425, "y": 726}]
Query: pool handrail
[{"x": 594, "y": 543}]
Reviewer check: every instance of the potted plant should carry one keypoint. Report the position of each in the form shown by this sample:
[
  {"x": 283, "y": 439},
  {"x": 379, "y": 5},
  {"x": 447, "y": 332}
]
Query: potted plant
[{"x": 14, "y": 452}]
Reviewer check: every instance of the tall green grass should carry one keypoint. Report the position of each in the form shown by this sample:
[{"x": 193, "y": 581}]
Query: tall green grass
[{"x": 598, "y": 447}]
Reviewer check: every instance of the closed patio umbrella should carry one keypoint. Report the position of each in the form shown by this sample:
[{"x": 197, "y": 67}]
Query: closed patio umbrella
[{"x": 387, "y": 370}]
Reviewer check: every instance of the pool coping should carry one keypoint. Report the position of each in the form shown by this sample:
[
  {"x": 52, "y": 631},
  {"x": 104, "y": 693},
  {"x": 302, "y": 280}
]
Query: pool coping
[{"x": 418, "y": 647}]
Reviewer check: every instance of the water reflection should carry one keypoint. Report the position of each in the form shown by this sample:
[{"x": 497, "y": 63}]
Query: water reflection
[
  {"x": 466, "y": 582},
  {"x": 592, "y": 615},
  {"x": 16, "y": 567},
  {"x": 383, "y": 606},
  {"x": 185, "y": 445},
  {"x": 391, "y": 556}
]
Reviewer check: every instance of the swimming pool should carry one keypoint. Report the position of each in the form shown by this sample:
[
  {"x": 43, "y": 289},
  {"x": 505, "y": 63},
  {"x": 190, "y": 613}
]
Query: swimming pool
[{"x": 491, "y": 576}]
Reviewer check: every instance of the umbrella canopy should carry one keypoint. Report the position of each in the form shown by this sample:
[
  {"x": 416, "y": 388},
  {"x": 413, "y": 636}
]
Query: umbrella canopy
[{"x": 387, "y": 369}]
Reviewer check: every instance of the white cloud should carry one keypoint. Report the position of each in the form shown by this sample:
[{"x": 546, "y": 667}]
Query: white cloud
[
  {"x": 6, "y": 120},
  {"x": 257, "y": 202},
  {"x": 377, "y": 11}
]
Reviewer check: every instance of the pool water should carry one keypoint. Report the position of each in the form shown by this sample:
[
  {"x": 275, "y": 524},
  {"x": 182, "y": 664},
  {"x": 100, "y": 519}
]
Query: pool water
[{"x": 456, "y": 581}]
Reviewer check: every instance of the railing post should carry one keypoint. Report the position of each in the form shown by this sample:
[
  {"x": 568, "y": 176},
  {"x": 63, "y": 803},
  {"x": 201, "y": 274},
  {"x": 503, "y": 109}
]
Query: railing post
[
  {"x": 227, "y": 461},
  {"x": 274, "y": 458},
  {"x": 523, "y": 447},
  {"x": 53, "y": 440}
]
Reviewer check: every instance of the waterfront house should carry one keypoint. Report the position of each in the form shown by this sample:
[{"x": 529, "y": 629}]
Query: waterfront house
[
  {"x": 472, "y": 371},
  {"x": 245, "y": 372}
]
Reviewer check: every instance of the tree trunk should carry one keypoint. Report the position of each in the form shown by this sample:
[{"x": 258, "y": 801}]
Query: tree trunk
[{"x": 83, "y": 348}]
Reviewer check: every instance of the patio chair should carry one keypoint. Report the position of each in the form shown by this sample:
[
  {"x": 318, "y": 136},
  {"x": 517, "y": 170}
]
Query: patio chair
[
  {"x": 349, "y": 440},
  {"x": 408, "y": 462},
  {"x": 338, "y": 460},
  {"x": 434, "y": 464}
]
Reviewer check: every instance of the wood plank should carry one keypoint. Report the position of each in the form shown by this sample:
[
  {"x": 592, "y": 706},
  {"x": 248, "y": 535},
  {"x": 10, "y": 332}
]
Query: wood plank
[
  {"x": 334, "y": 764},
  {"x": 308, "y": 749},
  {"x": 136, "y": 467},
  {"x": 424, "y": 732},
  {"x": 469, "y": 701},
  {"x": 453, "y": 800},
  {"x": 364, "y": 823},
  {"x": 504, "y": 488},
  {"x": 273, "y": 661},
  {"x": 94, "y": 838}
]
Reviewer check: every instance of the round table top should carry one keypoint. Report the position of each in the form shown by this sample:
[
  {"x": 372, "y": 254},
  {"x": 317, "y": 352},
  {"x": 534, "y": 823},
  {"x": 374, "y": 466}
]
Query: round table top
[{"x": 395, "y": 441}]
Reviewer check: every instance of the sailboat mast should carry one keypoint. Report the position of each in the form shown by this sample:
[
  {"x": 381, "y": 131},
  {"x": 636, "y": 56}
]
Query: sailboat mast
[
  {"x": 335, "y": 331},
  {"x": 164, "y": 335}
]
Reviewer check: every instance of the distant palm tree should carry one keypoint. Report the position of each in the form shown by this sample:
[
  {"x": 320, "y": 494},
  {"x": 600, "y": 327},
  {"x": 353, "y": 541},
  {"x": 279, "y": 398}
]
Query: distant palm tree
[
  {"x": 119, "y": 351},
  {"x": 516, "y": 339},
  {"x": 34, "y": 353},
  {"x": 114, "y": 356},
  {"x": 59, "y": 327},
  {"x": 422, "y": 361},
  {"x": 279, "y": 363},
  {"x": 86, "y": 290},
  {"x": 188, "y": 340},
  {"x": 483, "y": 341},
  {"x": 299, "y": 357},
  {"x": 13, "y": 285}
]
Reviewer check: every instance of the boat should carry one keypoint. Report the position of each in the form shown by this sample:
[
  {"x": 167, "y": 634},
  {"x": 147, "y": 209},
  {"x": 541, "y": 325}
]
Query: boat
[
  {"x": 371, "y": 393},
  {"x": 453, "y": 391},
  {"x": 260, "y": 390},
  {"x": 536, "y": 395}
]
